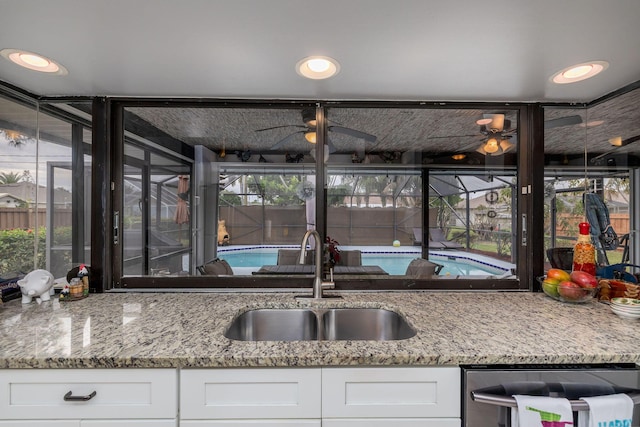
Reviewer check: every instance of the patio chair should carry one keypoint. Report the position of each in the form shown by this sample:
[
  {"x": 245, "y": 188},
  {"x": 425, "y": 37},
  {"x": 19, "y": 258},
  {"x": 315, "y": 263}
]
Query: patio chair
[
  {"x": 351, "y": 258},
  {"x": 421, "y": 268},
  {"x": 437, "y": 240},
  {"x": 561, "y": 258},
  {"x": 216, "y": 267},
  {"x": 292, "y": 257}
]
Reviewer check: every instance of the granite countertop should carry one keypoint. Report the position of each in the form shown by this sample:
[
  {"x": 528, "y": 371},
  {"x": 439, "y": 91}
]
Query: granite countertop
[{"x": 186, "y": 330}]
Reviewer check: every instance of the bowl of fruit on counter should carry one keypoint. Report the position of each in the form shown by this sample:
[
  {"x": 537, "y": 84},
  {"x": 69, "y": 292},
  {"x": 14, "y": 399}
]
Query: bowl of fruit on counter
[{"x": 572, "y": 287}]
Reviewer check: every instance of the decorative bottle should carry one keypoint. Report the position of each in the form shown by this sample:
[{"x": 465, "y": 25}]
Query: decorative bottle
[{"x": 584, "y": 253}]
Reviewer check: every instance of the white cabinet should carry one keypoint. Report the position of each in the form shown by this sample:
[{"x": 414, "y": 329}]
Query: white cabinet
[
  {"x": 331, "y": 397},
  {"x": 391, "y": 396},
  {"x": 247, "y": 397},
  {"x": 88, "y": 397}
]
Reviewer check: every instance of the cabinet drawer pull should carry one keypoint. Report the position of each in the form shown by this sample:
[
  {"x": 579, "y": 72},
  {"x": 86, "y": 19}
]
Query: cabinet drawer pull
[{"x": 69, "y": 397}]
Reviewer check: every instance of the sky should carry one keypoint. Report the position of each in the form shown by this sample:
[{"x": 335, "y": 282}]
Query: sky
[{"x": 18, "y": 159}]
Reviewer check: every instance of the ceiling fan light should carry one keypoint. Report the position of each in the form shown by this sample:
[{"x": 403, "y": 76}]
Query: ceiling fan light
[
  {"x": 505, "y": 145},
  {"x": 616, "y": 141},
  {"x": 484, "y": 121},
  {"x": 310, "y": 136},
  {"x": 491, "y": 146},
  {"x": 309, "y": 117}
]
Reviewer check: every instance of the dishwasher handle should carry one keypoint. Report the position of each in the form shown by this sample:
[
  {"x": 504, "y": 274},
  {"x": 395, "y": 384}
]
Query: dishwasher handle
[{"x": 508, "y": 401}]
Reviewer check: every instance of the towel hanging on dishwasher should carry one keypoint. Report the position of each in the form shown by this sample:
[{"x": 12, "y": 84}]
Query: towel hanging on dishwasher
[
  {"x": 541, "y": 411},
  {"x": 611, "y": 410}
]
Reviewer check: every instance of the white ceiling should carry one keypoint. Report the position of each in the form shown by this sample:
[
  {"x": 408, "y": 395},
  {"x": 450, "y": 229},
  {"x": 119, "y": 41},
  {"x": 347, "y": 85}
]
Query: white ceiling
[{"x": 456, "y": 50}]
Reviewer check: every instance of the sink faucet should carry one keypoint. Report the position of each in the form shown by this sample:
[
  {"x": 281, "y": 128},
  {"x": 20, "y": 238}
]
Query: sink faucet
[{"x": 318, "y": 284}]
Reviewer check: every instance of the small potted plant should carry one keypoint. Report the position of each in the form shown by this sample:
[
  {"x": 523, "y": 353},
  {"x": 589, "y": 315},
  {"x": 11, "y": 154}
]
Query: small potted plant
[{"x": 331, "y": 252}]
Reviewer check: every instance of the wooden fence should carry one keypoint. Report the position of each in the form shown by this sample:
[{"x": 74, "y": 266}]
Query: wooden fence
[
  {"x": 25, "y": 218},
  {"x": 619, "y": 222}
]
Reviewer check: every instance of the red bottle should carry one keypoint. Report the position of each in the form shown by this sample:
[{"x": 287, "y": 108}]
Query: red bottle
[{"x": 584, "y": 253}]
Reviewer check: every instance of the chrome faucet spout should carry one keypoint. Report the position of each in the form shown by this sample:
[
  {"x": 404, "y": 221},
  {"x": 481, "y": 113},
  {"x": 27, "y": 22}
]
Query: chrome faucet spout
[{"x": 318, "y": 284}]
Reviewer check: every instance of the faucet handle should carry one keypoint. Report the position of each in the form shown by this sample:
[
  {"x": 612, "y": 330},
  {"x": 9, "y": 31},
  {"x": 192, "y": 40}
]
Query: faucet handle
[{"x": 328, "y": 285}]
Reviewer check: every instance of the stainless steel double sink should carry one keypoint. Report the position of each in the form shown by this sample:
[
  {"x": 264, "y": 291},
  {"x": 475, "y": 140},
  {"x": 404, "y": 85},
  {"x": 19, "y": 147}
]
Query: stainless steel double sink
[{"x": 313, "y": 324}]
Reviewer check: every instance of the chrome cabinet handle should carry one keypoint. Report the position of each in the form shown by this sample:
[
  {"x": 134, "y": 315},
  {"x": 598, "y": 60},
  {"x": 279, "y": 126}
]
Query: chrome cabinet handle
[
  {"x": 69, "y": 397},
  {"x": 508, "y": 401}
]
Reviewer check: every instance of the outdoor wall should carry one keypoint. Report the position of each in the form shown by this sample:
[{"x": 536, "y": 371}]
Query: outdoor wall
[{"x": 349, "y": 226}]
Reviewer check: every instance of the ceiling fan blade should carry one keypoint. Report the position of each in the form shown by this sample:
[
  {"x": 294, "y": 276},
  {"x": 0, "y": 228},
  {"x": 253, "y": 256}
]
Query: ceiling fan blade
[
  {"x": 562, "y": 121},
  {"x": 453, "y": 136},
  {"x": 280, "y": 127},
  {"x": 285, "y": 140},
  {"x": 332, "y": 148},
  {"x": 467, "y": 147},
  {"x": 353, "y": 132}
]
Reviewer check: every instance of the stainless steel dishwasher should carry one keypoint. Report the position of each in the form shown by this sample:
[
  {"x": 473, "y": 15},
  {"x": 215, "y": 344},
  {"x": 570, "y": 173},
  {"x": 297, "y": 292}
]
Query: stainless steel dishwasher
[{"x": 488, "y": 390}]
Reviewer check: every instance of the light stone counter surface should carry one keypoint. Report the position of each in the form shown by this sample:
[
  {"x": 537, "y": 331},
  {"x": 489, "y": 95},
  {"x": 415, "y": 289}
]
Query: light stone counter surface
[{"x": 186, "y": 330}]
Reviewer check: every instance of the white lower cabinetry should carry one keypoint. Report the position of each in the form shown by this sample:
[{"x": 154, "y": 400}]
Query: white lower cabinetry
[
  {"x": 288, "y": 397},
  {"x": 88, "y": 397},
  {"x": 331, "y": 397},
  {"x": 385, "y": 397},
  {"x": 250, "y": 397}
]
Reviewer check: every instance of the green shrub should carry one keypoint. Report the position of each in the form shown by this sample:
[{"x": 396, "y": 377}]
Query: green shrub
[{"x": 17, "y": 251}]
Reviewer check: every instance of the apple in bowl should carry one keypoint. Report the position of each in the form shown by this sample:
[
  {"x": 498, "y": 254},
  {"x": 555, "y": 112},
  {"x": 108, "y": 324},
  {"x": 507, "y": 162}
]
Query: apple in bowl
[
  {"x": 583, "y": 279},
  {"x": 569, "y": 291}
]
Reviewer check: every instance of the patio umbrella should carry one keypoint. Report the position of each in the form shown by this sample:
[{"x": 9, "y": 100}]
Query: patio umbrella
[{"x": 182, "y": 211}]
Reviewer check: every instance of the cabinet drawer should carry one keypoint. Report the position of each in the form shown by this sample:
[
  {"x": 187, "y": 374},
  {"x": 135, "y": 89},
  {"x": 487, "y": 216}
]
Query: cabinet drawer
[
  {"x": 119, "y": 393},
  {"x": 249, "y": 393},
  {"x": 391, "y": 392}
]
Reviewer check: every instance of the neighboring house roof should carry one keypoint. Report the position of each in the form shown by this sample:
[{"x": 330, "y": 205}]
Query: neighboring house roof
[
  {"x": 5, "y": 195},
  {"x": 480, "y": 201},
  {"x": 26, "y": 191}
]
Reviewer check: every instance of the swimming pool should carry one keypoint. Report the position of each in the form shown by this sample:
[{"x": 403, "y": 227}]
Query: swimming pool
[{"x": 244, "y": 260}]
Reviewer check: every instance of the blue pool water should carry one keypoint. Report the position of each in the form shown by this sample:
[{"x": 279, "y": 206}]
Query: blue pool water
[{"x": 245, "y": 260}]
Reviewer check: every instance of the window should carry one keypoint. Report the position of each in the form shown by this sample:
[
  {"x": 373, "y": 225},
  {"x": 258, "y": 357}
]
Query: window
[
  {"x": 45, "y": 176},
  {"x": 387, "y": 187},
  {"x": 591, "y": 153}
]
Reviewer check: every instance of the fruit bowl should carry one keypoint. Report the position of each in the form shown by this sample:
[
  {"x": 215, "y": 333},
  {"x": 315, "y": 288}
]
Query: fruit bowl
[{"x": 567, "y": 293}]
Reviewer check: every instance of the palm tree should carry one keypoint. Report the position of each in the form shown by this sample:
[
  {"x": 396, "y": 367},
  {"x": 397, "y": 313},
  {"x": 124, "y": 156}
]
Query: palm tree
[{"x": 10, "y": 178}]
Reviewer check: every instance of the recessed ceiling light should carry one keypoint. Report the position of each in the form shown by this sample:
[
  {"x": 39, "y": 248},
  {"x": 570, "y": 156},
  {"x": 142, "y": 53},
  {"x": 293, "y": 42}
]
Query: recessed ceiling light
[
  {"x": 459, "y": 156},
  {"x": 317, "y": 67},
  {"x": 33, "y": 61},
  {"x": 579, "y": 72}
]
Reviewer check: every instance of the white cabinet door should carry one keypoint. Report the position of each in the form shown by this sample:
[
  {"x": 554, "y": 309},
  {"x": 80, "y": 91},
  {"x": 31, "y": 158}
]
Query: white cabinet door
[
  {"x": 393, "y": 392},
  {"x": 393, "y": 422},
  {"x": 252, "y": 423},
  {"x": 259, "y": 394},
  {"x": 30, "y": 394},
  {"x": 128, "y": 423},
  {"x": 40, "y": 423}
]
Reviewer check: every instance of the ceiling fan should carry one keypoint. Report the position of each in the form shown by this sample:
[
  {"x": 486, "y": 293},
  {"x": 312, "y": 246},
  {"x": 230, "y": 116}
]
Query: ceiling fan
[
  {"x": 309, "y": 131},
  {"x": 498, "y": 131}
]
